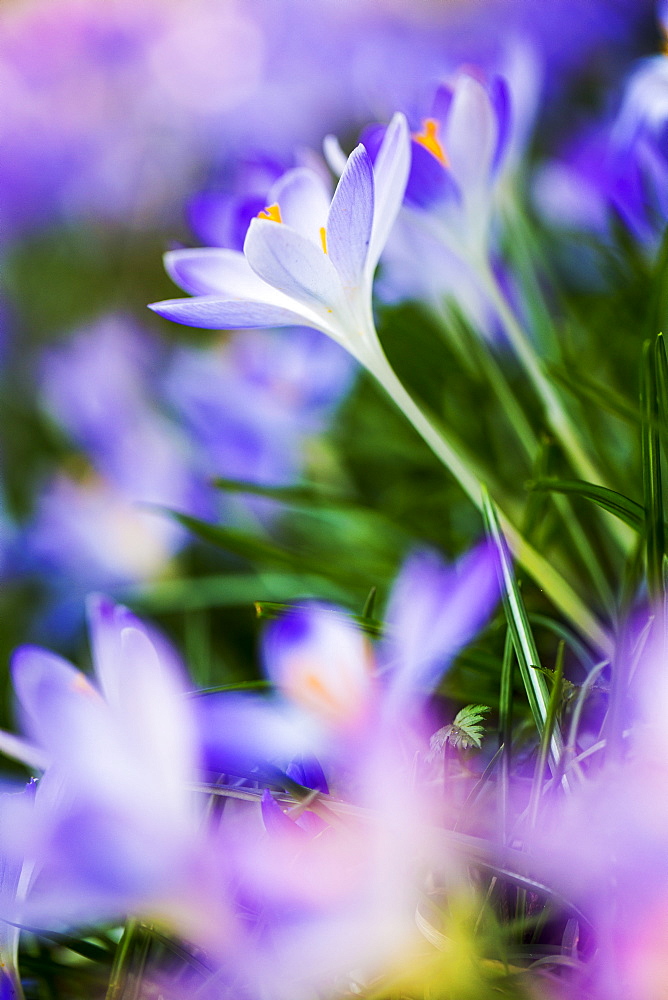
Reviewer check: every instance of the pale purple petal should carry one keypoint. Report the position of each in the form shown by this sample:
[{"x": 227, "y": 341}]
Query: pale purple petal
[
  {"x": 61, "y": 709},
  {"x": 471, "y": 133},
  {"x": 214, "y": 271},
  {"x": 242, "y": 734},
  {"x": 294, "y": 265},
  {"x": 334, "y": 155},
  {"x": 500, "y": 97},
  {"x": 210, "y": 312},
  {"x": 391, "y": 169},
  {"x": 20, "y": 749},
  {"x": 321, "y": 661},
  {"x": 303, "y": 200},
  {"x": 434, "y": 610},
  {"x": 350, "y": 218}
]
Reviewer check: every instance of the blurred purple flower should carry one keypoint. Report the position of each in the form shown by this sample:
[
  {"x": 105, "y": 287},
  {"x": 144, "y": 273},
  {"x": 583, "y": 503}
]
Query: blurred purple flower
[
  {"x": 334, "y": 696},
  {"x": 106, "y": 109},
  {"x": 603, "y": 843},
  {"x": 120, "y": 829},
  {"x": 96, "y": 527},
  {"x": 250, "y": 403}
]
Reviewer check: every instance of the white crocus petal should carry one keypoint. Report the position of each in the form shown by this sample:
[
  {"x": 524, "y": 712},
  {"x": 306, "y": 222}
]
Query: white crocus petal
[
  {"x": 350, "y": 219},
  {"x": 215, "y": 271},
  {"x": 155, "y": 719},
  {"x": 470, "y": 134},
  {"x": 294, "y": 265},
  {"x": 303, "y": 201},
  {"x": 212, "y": 312},
  {"x": 390, "y": 170},
  {"x": 335, "y": 158}
]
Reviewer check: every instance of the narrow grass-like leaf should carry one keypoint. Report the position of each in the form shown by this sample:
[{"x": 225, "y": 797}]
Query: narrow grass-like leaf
[
  {"x": 623, "y": 507},
  {"x": 230, "y": 590},
  {"x": 300, "y": 496},
  {"x": 546, "y": 738},
  {"x": 506, "y": 728},
  {"x": 602, "y": 396},
  {"x": 120, "y": 970},
  {"x": 520, "y": 629},
  {"x": 651, "y": 472},
  {"x": 369, "y": 604},
  {"x": 568, "y": 635}
]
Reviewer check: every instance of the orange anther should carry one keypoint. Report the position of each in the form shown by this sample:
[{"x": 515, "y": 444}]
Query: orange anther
[
  {"x": 428, "y": 138},
  {"x": 271, "y": 212}
]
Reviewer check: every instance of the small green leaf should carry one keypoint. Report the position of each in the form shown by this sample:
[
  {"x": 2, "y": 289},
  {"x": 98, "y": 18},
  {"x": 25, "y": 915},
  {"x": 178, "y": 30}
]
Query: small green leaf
[
  {"x": 624, "y": 508},
  {"x": 465, "y": 731}
]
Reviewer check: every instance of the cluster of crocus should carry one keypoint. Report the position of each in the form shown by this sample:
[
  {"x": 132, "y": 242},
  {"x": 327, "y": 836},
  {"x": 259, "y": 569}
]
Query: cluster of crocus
[
  {"x": 301, "y": 893},
  {"x": 335, "y": 826}
]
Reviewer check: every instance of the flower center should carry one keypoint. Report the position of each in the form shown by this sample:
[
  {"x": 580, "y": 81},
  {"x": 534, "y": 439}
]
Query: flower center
[
  {"x": 271, "y": 212},
  {"x": 428, "y": 138}
]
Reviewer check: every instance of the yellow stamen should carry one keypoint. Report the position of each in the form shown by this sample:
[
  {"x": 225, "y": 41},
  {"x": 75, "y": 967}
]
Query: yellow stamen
[
  {"x": 323, "y": 238},
  {"x": 428, "y": 138},
  {"x": 271, "y": 212}
]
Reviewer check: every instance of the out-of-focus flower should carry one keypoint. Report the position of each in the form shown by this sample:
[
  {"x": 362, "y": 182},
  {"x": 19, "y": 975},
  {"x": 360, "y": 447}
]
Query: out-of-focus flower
[
  {"x": 96, "y": 527},
  {"x": 334, "y": 696},
  {"x": 250, "y": 403},
  {"x": 106, "y": 109},
  {"x": 15, "y": 871},
  {"x": 121, "y": 829},
  {"x": 619, "y": 165},
  {"x": 305, "y": 262},
  {"x": 337, "y": 889},
  {"x": 603, "y": 845}
]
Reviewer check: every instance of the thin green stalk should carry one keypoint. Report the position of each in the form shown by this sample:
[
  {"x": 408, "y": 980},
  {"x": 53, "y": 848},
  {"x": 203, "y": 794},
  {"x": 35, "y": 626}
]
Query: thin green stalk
[
  {"x": 651, "y": 470},
  {"x": 523, "y": 640},
  {"x": 557, "y": 417},
  {"x": 546, "y": 739},
  {"x": 543, "y": 572},
  {"x": 120, "y": 970},
  {"x": 509, "y": 403},
  {"x": 506, "y": 730}
]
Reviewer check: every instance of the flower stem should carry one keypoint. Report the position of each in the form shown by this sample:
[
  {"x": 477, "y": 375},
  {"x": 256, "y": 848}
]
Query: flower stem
[
  {"x": 557, "y": 417},
  {"x": 542, "y": 571}
]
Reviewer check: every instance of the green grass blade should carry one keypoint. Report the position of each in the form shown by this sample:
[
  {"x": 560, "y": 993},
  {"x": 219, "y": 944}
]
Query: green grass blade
[
  {"x": 651, "y": 472},
  {"x": 506, "y": 730},
  {"x": 623, "y": 507},
  {"x": 546, "y": 739},
  {"x": 520, "y": 629}
]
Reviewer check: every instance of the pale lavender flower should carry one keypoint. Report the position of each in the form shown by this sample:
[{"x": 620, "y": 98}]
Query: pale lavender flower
[
  {"x": 334, "y": 694},
  {"x": 121, "y": 830},
  {"x": 603, "y": 844},
  {"x": 251, "y": 403},
  {"x": 307, "y": 262},
  {"x": 102, "y": 527}
]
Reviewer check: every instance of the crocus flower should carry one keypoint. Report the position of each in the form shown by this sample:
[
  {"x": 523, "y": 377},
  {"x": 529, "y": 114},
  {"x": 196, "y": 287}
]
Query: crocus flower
[
  {"x": 334, "y": 693},
  {"x": 305, "y": 261},
  {"x": 121, "y": 829},
  {"x": 250, "y": 403}
]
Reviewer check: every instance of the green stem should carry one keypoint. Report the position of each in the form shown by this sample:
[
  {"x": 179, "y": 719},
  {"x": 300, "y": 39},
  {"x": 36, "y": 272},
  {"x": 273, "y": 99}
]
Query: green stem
[
  {"x": 120, "y": 969},
  {"x": 542, "y": 571},
  {"x": 557, "y": 417}
]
